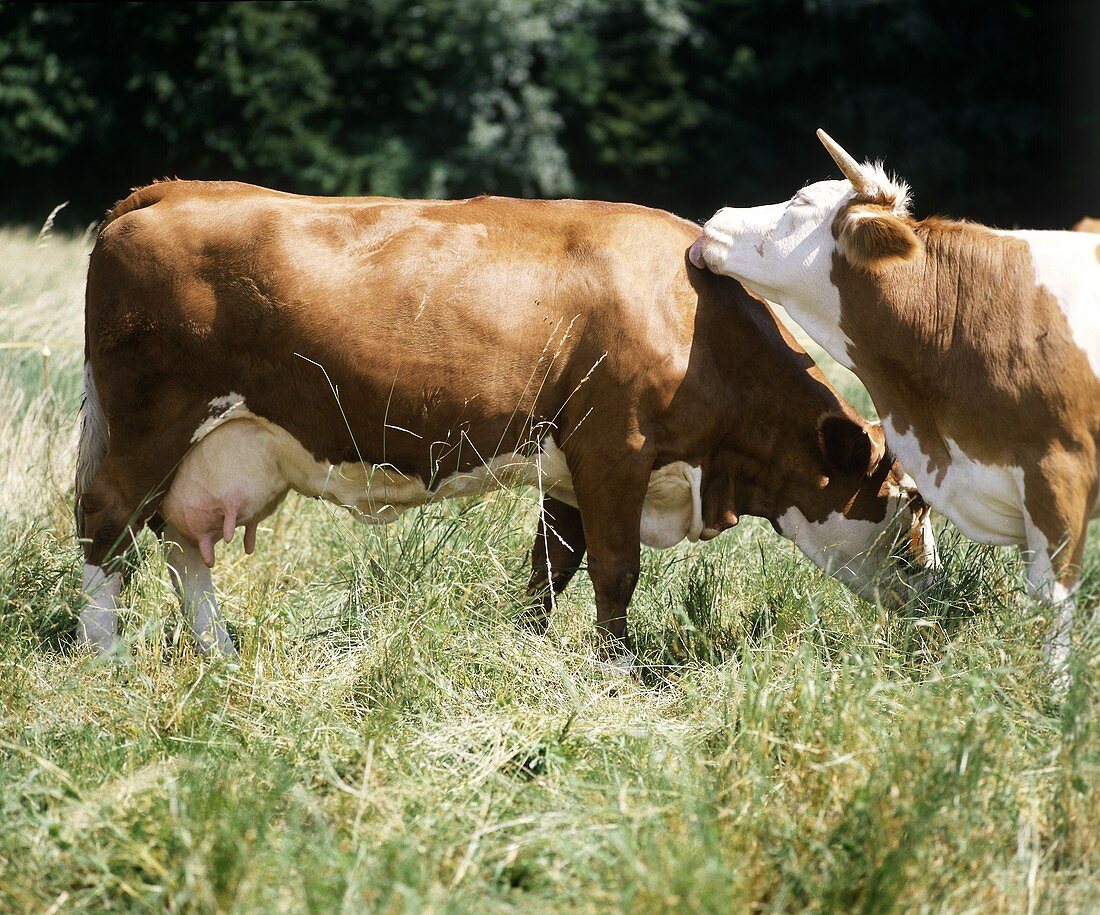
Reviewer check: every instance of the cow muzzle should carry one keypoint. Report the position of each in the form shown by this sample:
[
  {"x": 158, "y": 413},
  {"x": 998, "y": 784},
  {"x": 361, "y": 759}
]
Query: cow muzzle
[
  {"x": 918, "y": 558},
  {"x": 695, "y": 253}
]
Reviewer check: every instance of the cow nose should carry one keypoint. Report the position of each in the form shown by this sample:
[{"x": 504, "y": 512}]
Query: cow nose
[{"x": 695, "y": 253}]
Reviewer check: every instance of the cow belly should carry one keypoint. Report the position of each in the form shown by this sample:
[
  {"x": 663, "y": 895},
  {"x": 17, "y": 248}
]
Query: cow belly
[
  {"x": 672, "y": 510},
  {"x": 984, "y": 501},
  {"x": 241, "y": 466}
]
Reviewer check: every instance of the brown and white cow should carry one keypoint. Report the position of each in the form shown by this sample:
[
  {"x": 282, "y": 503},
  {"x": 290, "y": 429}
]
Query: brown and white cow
[
  {"x": 979, "y": 347},
  {"x": 382, "y": 354}
]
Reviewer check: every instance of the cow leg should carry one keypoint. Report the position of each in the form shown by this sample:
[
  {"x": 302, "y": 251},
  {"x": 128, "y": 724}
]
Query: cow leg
[
  {"x": 1053, "y": 582},
  {"x": 191, "y": 577},
  {"x": 555, "y": 557},
  {"x": 107, "y": 532},
  {"x": 98, "y": 628},
  {"x": 1056, "y": 519},
  {"x": 123, "y": 494},
  {"x": 610, "y": 490}
]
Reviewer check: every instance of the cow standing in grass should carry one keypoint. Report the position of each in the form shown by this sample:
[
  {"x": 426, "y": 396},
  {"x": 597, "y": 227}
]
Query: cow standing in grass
[
  {"x": 382, "y": 354},
  {"x": 979, "y": 347}
]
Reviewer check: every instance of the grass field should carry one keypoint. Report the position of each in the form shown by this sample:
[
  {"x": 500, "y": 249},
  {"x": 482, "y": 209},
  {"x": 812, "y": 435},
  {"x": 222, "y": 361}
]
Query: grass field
[{"x": 395, "y": 741}]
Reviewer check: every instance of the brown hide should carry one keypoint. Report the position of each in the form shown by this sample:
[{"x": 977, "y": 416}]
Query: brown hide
[
  {"x": 433, "y": 335},
  {"x": 960, "y": 342}
]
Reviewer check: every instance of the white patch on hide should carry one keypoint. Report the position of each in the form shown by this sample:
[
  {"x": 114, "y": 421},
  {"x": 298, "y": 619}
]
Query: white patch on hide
[
  {"x": 982, "y": 500},
  {"x": 1043, "y": 585},
  {"x": 94, "y": 435},
  {"x": 893, "y": 189},
  {"x": 222, "y": 409},
  {"x": 99, "y": 617},
  {"x": 192, "y": 580},
  {"x": 784, "y": 253},
  {"x": 841, "y": 546},
  {"x": 1042, "y": 582},
  {"x": 1066, "y": 266}
]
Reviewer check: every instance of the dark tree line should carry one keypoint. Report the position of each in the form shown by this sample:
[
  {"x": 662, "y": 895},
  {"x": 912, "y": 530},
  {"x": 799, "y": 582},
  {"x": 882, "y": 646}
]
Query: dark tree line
[{"x": 988, "y": 107}]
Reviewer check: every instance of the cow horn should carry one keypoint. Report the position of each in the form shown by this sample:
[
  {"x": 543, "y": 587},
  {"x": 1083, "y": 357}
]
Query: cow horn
[{"x": 847, "y": 164}]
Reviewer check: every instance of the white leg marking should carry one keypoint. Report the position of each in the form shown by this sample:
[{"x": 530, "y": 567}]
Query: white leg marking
[
  {"x": 621, "y": 665},
  {"x": 99, "y": 618},
  {"x": 1043, "y": 585},
  {"x": 191, "y": 576}
]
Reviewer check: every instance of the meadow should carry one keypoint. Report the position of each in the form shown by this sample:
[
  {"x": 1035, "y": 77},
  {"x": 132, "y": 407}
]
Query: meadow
[{"x": 394, "y": 739}]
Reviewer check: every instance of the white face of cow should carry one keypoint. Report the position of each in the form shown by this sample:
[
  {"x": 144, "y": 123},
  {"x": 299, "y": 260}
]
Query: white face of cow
[
  {"x": 887, "y": 560},
  {"x": 862, "y": 519},
  {"x": 784, "y": 252}
]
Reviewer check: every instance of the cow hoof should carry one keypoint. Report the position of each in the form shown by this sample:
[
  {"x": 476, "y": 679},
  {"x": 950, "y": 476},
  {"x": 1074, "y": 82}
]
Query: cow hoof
[
  {"x": 226, "y": 654},
  {"x": 113, "y": 653},
  {"x": 620, "y": 665},
  {"x": 1056, "y": 654},
  {"x": 217, "y": 647},
  {"x": 98, "y": 645},
  {"x": 1059, "y": 683},
  {"x": 534, "y": 620}
]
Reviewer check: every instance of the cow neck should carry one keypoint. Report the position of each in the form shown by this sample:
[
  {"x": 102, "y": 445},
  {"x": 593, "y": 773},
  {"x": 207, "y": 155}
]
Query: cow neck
[
  {"x": 765, "y": 433},
  {"x": 962, "y": 344},
  {"x": 787, "y": 470}
]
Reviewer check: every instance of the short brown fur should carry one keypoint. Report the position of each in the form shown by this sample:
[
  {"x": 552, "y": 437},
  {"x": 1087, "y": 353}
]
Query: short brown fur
[
  {"x": 960, "y": 342},
  {"x": 454, "y": 331}
]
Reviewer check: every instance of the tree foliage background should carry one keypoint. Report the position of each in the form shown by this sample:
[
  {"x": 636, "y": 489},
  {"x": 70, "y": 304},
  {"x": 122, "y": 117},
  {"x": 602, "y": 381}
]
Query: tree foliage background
[{"x": 988, "y": 107}]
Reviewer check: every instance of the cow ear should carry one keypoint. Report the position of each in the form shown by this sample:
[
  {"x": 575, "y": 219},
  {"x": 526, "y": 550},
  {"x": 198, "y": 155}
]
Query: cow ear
[
  {"x": 848, "y": 447},
  {"x": 875, "y": 237}
]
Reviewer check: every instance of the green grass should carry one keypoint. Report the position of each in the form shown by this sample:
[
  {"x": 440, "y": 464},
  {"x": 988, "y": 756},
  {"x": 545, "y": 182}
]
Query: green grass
[{"x": 395, "y": 741}]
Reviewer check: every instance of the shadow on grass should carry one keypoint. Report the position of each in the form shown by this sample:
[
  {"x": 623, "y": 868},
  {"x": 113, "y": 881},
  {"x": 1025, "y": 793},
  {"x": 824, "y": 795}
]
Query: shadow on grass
[
  {"x": 976, "y": 581},
  {"x": 693, "y": 630}
]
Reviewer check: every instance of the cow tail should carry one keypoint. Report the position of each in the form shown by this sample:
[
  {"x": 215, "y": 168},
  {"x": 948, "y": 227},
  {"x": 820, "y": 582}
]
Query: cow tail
[{"x": 92, "y": 446}]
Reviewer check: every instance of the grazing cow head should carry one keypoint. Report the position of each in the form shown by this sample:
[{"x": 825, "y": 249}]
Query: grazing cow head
[
  {"x": 784, "y": 252},
  {"x": 796, "y": 454},
  {"x": 861, "y": 519}
]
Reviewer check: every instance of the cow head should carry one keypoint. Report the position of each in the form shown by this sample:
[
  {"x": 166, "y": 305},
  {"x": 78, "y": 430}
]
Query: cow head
[
  {"x": 861, "y": 518},
  {"x": 784, "y": 252}
]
